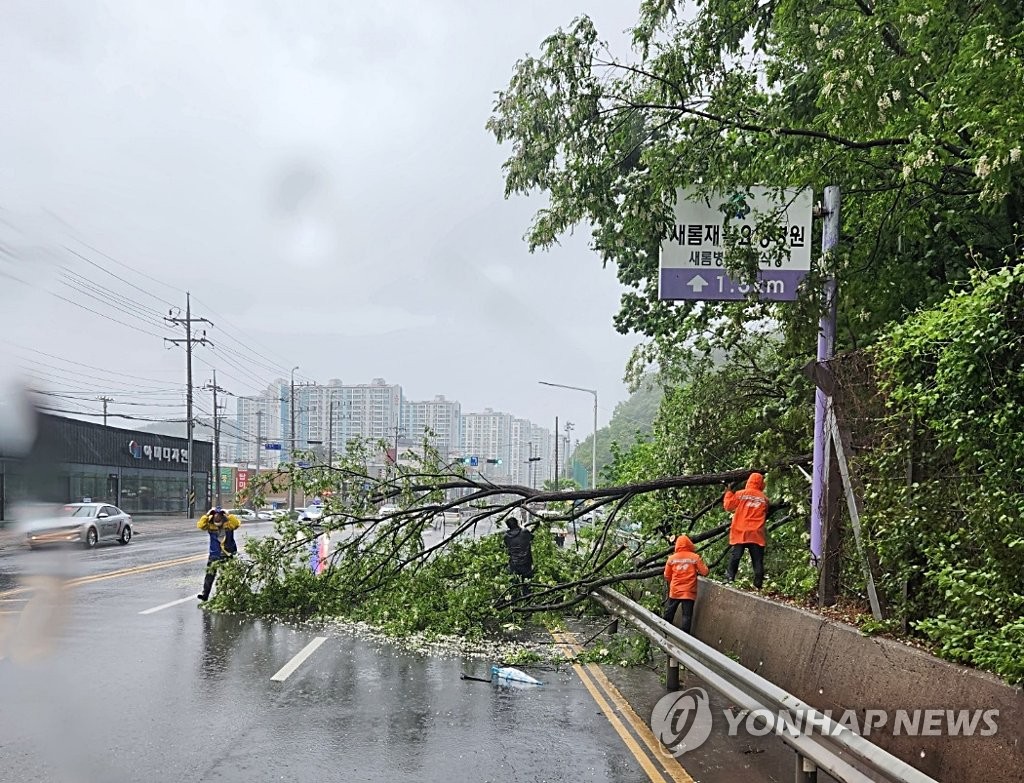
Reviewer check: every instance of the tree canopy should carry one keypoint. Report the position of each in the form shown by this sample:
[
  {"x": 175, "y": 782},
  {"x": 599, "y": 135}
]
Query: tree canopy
[{"x": 912, "y": 107}]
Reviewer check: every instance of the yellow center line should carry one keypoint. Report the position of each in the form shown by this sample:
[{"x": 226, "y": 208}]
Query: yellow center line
[
  {"x": 671, "y": 764},
  {"x": 642, "y": 758},
  {"x": 141, "y": 569}
]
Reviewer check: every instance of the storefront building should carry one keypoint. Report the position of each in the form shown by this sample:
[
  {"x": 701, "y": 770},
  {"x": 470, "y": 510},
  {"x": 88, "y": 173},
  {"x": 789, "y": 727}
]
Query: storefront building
[{"x": 74, "y": 461}]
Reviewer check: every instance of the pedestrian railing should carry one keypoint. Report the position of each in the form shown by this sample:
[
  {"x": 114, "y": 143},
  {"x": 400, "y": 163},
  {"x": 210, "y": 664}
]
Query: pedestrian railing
[{"x": 828, "y": 746}]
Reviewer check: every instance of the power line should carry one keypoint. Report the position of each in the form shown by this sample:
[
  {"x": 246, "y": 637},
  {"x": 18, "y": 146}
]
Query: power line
[
  {"x": 114, "y": 298},
  {"x": 82, "y": 398},
  {"x": 102, "y": 315},
  {"x": 112, "y": 415},
  {"x": 91, "y": 367},
  {"x": 118, "y": 277},
  {"x": 241, "y": 341},
  {"x": 65, "y": 378},
  {"x": 132, "y": 269}
]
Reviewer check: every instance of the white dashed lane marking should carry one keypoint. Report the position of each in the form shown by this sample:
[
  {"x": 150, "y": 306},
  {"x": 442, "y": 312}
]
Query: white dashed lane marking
[
  {"x": 169, "y": 605},
  {"x": 289, "y": 668}
]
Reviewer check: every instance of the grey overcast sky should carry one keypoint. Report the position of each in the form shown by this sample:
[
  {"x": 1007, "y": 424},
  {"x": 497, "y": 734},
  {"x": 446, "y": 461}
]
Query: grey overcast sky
[{"x": 317, "y": 173}]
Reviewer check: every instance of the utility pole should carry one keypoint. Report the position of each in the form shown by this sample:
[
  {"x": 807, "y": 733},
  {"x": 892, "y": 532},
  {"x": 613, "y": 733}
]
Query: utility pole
[
  {"x": 189, "y": 341},
  {"x": 533, "y": 478},
  {"x": 569, "y": 426},
  {"x": 330, "y": 430},
  {"x": 398, "y": 431},
  {"x": 259, "y": 439},
  {"x": 213, "y": 387},
  {"x": 291, "y": 406},
  {"x": 105, "y": 400},
  {"x": 556, "y": 454}
]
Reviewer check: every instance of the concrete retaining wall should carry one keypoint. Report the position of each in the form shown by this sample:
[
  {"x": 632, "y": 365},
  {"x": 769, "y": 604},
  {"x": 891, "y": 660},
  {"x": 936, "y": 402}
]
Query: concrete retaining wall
[{"x": 832, "y": 666}]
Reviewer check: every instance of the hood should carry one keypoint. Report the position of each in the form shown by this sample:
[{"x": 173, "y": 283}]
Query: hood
[
  {"x": 684, "y": 544},
  {"x": 756, "y": 481}
]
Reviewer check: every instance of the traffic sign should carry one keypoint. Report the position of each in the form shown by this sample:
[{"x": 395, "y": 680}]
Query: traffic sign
[
  {"x": 774, "y": 224},
  {"x": 272, "y": 446}
]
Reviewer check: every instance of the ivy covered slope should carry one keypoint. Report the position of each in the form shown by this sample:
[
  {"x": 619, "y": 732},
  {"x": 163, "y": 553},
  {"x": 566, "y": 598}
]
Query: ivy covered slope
[{"x": 954, "y": 377}]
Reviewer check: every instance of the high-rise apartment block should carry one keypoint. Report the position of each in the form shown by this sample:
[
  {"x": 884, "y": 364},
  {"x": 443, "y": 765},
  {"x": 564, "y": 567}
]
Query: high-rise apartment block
[
  {"x": 327, "y": 417},
  {"x": 439, "y": 419}
]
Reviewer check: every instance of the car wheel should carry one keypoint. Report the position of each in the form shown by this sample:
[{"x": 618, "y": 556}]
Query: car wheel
[
  {"x": 126, "y": 535},
  {"x": 91, "y": 537}
]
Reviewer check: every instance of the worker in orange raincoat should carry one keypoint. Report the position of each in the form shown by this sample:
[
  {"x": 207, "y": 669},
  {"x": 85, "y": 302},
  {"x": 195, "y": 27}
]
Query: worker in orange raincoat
[
  {"x": 681, "y": 571},
  {"x": 750, "y": 509}
]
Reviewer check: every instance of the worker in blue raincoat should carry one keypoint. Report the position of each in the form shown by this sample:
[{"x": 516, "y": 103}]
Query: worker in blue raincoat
[{"x": 221, "y": 526}]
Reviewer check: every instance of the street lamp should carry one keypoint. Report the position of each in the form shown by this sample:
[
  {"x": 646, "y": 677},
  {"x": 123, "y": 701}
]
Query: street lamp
[
  {"x": 593, "y": 457},
  {"x": 291, "y": 404}
]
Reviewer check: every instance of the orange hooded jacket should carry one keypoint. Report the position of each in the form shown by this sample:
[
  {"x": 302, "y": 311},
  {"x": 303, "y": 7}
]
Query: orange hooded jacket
[
  {"x": 751, "y": 510},
  {"x": 682, "y": 568}
]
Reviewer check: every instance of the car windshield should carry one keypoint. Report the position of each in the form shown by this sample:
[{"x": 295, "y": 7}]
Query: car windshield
[{"x": 78, "y": 511}]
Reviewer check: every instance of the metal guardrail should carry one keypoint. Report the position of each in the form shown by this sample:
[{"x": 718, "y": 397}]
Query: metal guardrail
[{"x": 830, "y": 747}]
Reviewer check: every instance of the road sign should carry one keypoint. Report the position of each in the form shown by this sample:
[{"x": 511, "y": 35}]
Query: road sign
[
  {"x": 775, "y": 225},
  {"x": 272, "y": 446}
]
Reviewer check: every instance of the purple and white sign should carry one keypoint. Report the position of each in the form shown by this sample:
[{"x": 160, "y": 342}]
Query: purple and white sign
[
  {"x": 775, "y": 224},
  {"x": 772, "y": 286}
]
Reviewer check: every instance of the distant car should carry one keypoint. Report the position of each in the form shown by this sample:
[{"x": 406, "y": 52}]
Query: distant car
[
  {"x": 265, "y": 514},
  {"x": 387, "y": 510},
  {"x": 80, "y": 523},
  {"x": 244, "y": 514}
]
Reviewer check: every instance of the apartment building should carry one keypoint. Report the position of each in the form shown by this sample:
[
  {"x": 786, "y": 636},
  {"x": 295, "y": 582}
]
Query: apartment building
[{"x": 440, "y": 417}]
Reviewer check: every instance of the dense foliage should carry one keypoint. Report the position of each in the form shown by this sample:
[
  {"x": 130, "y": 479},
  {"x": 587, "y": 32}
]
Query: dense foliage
[{"x": 956, "y": 532}]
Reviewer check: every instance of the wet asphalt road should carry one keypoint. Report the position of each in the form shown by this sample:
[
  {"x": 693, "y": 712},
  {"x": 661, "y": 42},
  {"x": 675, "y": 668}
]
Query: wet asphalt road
[{"x": 92, "y": 690}]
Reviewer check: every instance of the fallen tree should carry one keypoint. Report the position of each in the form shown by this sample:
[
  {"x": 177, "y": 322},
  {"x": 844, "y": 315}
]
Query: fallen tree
[{"x": 395, "y": 561}]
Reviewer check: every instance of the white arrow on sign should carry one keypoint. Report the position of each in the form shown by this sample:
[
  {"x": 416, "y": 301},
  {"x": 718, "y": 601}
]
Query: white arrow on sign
[{"x": 698, "y": 284}]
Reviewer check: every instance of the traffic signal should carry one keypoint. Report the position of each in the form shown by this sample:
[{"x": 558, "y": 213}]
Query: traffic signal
[{"x": 494, "y": 462}]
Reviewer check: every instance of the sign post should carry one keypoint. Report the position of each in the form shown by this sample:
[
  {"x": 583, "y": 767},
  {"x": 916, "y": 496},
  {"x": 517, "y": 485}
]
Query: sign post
[{"x": 826, "y": 347}]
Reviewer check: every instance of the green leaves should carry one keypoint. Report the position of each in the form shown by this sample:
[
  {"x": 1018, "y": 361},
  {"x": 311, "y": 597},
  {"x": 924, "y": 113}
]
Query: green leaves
[
  {"x": 912, "y": 108},
  {"x": 955, "y": 371}
]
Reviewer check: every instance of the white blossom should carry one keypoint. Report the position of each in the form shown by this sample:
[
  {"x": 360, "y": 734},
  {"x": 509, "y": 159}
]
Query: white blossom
[
  {"x": 982, "y": 168},
  {"x": 896, "y": 95},
  {"x": 1014, "y": 154},
  {"x": 870, "y": 69}
]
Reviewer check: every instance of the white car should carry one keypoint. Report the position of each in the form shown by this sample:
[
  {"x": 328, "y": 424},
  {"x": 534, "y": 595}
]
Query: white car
[
  {"x": 244, "y": 514},
  {"x": 80, "y": 523},
  {"x": 387, "y": 510}
]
